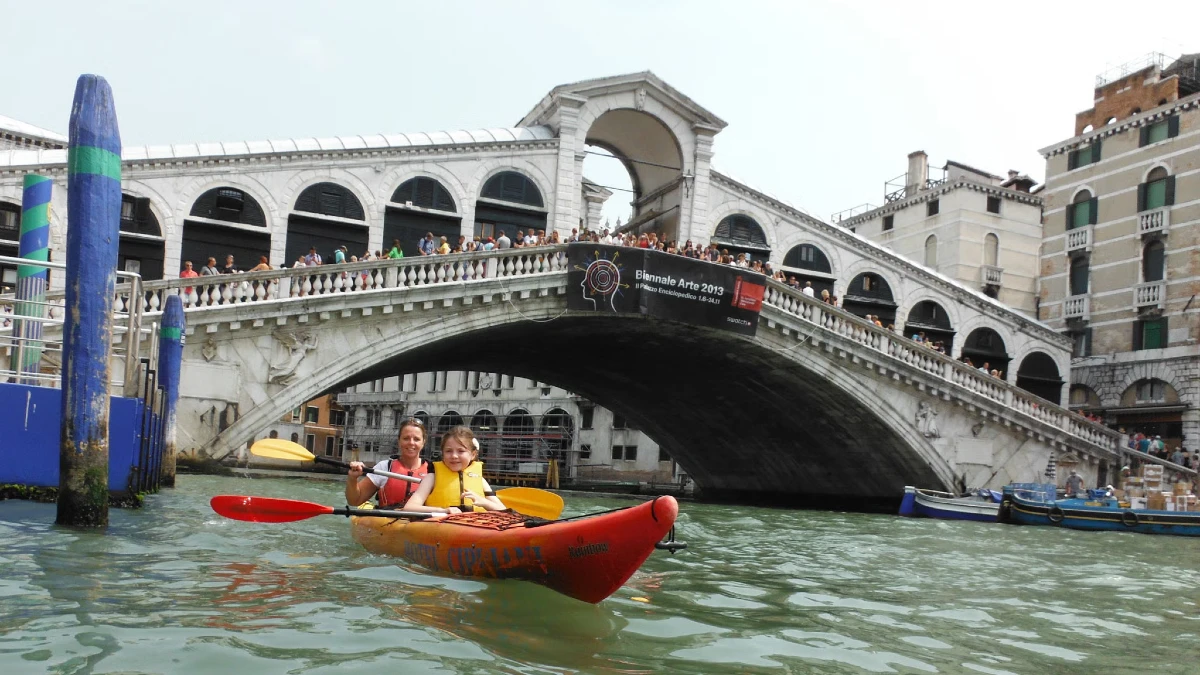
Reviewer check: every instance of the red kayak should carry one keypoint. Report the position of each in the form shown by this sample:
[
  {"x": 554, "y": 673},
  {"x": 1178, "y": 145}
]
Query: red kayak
[{"x": 587, "y": 558}]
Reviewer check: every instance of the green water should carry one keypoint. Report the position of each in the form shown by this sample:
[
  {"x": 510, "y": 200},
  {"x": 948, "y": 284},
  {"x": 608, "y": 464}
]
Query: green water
[{"x": 174, "y": 588}]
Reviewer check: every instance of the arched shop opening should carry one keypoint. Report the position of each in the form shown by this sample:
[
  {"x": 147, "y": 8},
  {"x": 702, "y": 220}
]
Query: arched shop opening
[
  {"x": 868, "y": 293},
  {"x": 653, "y": 160},
  {"x": 445, "y": 422},
  {"x": 1151, "y": 407},
  {"x": 419, "y": 206},
  {"x": 509, "y": 201},
  {"x": 557, "y": 428},
  {"x": 225, "y": 221},
  {"x": 809, "y": 264},
  {"x": 10, "y": 238},
  {"x": 518, "y": 437},
  {"x": 1038, "y": 374},
  {"x": 327, "y": 216},
  {"x": 742, "y": 234},
  {"x": 985, "y": 346},
  {"x": 487, "y": 430},
  {"x": 141, "y": 244},
  {"x": 930, "y": 318}
]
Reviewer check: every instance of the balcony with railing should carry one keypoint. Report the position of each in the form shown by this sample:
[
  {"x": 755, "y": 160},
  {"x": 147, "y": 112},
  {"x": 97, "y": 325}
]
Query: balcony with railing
[
  {"x": 1156, "y": 221},
  {"x": 1080, "y": 239},
  {"x": 1149, "y": 295},
  {"x": 991, "y": 275},
  {"x": 1077, "y": 307}
]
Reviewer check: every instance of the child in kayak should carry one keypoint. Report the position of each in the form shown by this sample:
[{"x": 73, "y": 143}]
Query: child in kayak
[{"x": 456, "y": 483}]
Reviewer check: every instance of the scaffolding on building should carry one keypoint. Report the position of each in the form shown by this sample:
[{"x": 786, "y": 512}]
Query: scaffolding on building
[{"x": 515, "y": 449}]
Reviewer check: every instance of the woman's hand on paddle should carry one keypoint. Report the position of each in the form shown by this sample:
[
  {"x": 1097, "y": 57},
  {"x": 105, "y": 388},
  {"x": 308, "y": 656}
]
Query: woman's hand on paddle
[{"x": 356, "y": 470}]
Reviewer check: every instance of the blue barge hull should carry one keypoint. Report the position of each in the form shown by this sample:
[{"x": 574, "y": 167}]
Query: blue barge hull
[{"x": 1096, "y": 514}]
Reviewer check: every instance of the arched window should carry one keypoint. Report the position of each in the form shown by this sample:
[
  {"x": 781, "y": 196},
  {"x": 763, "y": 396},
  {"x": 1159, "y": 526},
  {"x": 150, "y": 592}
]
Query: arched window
[
  {"x": 807, "y": 257},
  {"x": 508, "y": 202},
  {"x": 1153, "y": 261},
  {"x": 927, "y": 320},
  {"x": 510, "y": 186},
  {"x": 10, "y": 237},
  {"x": 484, "y": 422},
  {"x": 1082, "y": 210},
  {"x": 420, "y": 206},
  {"x": 984, "y": 347},
  {"x": 210, "y": 237},
  {"x": 1158, "y": 190},
  {"x": 557, "y": 427},
  {"x": 426, "y": 193},
  {"x": 1079, "y": 275},
  {"x": 1150, "y": 391},
  {"x": 519, "y": 440},
  {"x": 740, "y": 232},
  {"x": 330, "y": 199},
  {"x": 1038, "y": 375},
  {"x": 991, "y": 249},
  {"x": 1082, "y": 396},
  {"x": 231, "y": 205},
  {"x": 325, "y": 234},
  {"x": 869, "y": 293},
  {"x": 931, "y": 251},
  {"x": 141, "y": 242}
]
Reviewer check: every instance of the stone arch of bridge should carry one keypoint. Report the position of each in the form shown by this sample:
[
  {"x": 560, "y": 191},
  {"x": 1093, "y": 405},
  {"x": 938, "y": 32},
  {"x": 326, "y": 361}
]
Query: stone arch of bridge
[{"x": 761, "y": 420}]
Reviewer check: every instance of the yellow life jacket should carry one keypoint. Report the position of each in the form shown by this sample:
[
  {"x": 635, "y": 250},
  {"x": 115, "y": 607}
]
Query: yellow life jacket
[{"x": 448, "y": 485}]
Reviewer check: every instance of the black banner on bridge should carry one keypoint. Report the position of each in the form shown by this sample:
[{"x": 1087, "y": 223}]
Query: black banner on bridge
[{"x": 633, "y": 280}]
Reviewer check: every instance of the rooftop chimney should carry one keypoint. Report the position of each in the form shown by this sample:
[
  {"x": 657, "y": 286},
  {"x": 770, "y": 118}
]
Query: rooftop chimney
[{"x": 918, "y": 172}]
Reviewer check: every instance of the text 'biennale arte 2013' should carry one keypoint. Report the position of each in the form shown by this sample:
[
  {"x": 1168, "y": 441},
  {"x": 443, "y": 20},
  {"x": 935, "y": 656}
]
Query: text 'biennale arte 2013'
[{"x": 640, "y": 281}]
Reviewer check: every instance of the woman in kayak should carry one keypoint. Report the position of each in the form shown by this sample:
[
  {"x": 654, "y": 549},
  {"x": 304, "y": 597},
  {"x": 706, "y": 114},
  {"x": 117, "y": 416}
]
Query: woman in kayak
[
  {"x": 456, "y": 483},
  {"x": 392, "y": 492}
]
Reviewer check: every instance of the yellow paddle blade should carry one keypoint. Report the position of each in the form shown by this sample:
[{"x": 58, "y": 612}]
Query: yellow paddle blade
[
  {"x": 277, "y": 448},
  {"x": 532, "y": 502}
]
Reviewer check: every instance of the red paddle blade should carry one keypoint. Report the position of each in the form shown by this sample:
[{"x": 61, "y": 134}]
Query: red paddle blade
[{"x": 266, "y": 509}]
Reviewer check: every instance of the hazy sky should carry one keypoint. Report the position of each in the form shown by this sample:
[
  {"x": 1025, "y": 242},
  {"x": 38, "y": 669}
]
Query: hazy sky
[{"x": 823, "y": 100}]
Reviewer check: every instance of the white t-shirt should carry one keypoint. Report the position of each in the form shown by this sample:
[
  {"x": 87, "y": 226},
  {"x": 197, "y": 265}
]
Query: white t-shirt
[
  {"x": 808, "y": 291},
  {"x": 381, "y": 465}
]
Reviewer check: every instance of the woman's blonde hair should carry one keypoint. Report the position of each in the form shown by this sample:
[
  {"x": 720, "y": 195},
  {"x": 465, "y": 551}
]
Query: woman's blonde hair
[{"x": 464, "y": 434}]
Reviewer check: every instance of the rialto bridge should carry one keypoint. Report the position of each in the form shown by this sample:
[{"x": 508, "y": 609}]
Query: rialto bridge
[{"x": 819, "y": 402}]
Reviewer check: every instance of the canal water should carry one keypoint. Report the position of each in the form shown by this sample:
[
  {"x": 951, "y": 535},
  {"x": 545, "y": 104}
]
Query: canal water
[{"x": 174, "y": 588}]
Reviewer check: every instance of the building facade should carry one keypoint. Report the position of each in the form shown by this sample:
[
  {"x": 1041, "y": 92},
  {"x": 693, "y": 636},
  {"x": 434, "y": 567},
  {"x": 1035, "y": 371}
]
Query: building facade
[
  {"x": 1120, "y": 270},
  {"x": 969, "y": 225},
  {"x": 521, "y": 424}
]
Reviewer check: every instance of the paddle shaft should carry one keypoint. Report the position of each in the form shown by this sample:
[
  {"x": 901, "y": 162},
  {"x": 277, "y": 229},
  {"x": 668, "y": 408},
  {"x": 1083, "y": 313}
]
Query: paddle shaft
[
  {"x": 378, "y": 513},
  {"x": 366, "y": 469}
]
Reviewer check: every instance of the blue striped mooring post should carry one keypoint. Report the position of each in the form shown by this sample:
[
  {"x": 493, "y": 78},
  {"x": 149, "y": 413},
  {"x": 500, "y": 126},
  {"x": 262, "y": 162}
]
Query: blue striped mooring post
[
  {"x": 93, "y": 228},
  {"x": 31, "y": 279},
  {"x": 170, "y": 360}
]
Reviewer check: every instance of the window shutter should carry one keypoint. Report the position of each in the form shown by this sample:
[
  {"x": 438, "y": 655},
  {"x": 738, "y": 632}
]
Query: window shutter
[
  {"x": 1172, "y": 126},
  {"x": 1143, "y": 135},
  {"x": 1072, "y": 160},
  {"x": 1096, "y": 150},
  {"x": 1087, "y": 345},
  {"x": 1137, "y": 335},
  {"x": 1141, "y": 197},
  {"x": 1093, "y": 208},
  {"x": 1170, "y": 201}
]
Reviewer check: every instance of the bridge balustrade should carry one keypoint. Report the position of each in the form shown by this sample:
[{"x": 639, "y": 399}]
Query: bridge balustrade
[
  {"x": 867, "y": 334},
  {"x": 325, "y": 280},
  {"x": 465, "y": 268}
]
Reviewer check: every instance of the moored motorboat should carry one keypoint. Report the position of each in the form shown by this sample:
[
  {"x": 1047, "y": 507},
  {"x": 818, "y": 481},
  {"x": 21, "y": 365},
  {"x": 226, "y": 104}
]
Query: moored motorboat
[
  {"x": 587, "y": 558},
  {"x": 981, "y": 505},
  {"x": 1096, "y": 513}
]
